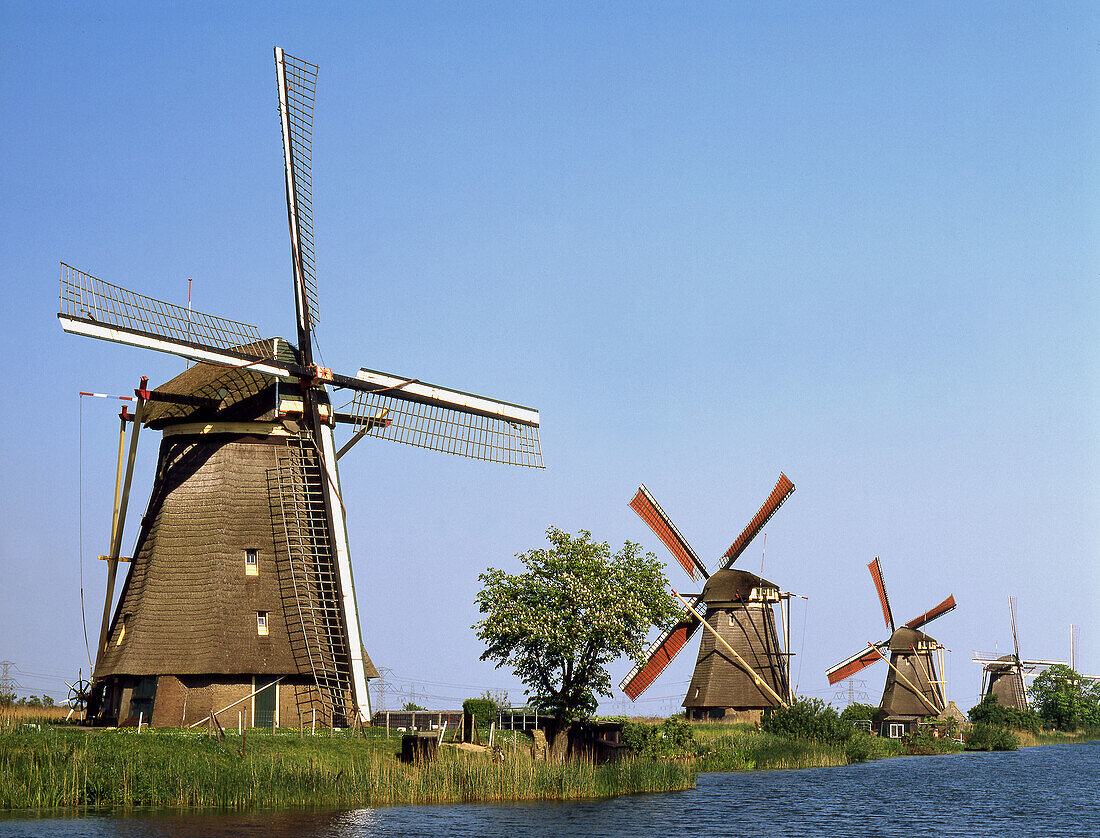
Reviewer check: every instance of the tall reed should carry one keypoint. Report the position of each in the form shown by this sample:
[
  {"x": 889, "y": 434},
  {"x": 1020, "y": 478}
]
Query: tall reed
[{"x": 46, "y": 769}]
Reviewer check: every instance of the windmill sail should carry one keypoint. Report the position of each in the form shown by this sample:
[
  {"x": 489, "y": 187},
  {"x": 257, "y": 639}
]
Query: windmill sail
[
  {"x": 446, "y": 420},
  {"x": 783, "y": 489},
  {"x": 932, "y": 613},
  {"x": 95, "y": 308},
  {"x": 856, "y": 663},
  {"x": 661, "y": 653},
  {"x": 650, "y": 511},
  {"x": 884, "y": 601},
  {"x": 297, "y": 94}
]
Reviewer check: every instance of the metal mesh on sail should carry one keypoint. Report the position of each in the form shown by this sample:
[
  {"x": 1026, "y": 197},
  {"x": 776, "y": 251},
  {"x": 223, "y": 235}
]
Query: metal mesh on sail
[
  {"x": 301, "y": 93},
  {"x": 84, "y": 297},
  {"x": 446, "y": 429}
]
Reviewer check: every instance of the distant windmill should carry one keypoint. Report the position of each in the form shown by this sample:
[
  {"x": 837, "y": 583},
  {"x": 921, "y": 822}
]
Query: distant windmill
[
  {"x": 913, "y": 691},
  {"x": 240, "y": 592},
  {"x": 1003, "y": 676},
  {"x": 741, "y": 668}
]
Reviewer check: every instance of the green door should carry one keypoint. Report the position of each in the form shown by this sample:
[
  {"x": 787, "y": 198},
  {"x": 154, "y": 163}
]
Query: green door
[{"x": 264, "y": 712}]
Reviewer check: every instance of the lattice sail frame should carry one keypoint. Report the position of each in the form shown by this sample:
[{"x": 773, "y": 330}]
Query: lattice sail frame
[
  {"x": 83, "y": 297},
  {"x": 450, "y": 430},
  {"x": 301, "y": 95}
]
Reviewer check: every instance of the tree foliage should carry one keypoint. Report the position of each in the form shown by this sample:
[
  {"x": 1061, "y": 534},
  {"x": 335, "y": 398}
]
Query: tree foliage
[
  {"x": 807, "y": 718},
  {"x": 576, "y": 608},
  {"x": 858, "y": 712},
  {"x": 984, "y": 737},
  {"x": 990, "y": 712},
  {"x": 674, "y": 737},
  {"x": 1066, "y": 699}
]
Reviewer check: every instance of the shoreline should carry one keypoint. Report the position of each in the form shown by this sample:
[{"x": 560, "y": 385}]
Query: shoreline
[{"x": 49, "y": 770}]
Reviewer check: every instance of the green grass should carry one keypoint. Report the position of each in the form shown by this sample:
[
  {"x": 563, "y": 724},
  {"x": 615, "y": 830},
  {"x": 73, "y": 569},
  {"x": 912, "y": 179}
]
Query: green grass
[
  {"x": 61, "y": 768},
  {"x": 745, "y": 748}
]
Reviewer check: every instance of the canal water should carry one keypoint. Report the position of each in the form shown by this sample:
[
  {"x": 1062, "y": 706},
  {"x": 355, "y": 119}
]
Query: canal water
[{"x": 1052, "y": 790}]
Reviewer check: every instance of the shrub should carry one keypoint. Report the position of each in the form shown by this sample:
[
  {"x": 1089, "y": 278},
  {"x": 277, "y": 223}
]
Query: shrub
[
  {"x": 807, "y": 718},
  {"x": 990, "y": 712},
  {"x": 482, "y": 709},
  {"x": 673, "y": 737},
  {"x": 983, "y": 737},
  {"x": 412, "y": 707}
]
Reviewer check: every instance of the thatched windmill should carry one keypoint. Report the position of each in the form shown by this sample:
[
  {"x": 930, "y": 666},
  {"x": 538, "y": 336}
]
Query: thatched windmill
[
  {"x": 741, "y": 669},
  {"x": 240, "y": 593},
  {"x": 1003, "y": 676},
  {"x": 913, "y": 691}
]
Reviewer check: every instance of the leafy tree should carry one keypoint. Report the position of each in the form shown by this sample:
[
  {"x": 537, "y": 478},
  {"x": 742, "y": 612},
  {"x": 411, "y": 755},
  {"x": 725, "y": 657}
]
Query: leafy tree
[
  {"x": 858, "y": 712},
  {"x": 577, "y": 607},
  {"x": 411, "y": 707},
  {"x": 1065, "y": 699}
]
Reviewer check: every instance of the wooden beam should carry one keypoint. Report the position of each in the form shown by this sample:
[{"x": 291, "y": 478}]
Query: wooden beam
[{"x": 119, "y": 520}]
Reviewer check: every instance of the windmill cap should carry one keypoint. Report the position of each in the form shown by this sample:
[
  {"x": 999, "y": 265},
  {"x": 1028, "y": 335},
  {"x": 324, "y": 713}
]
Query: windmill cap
[
  {"x": 733, "y": 586},
  {"x": 905, "y": 639}
]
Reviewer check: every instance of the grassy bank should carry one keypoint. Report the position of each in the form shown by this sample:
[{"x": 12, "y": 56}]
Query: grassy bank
[
  {"x": 51, "y": 768},
  {"x": 742, "y": 747}
]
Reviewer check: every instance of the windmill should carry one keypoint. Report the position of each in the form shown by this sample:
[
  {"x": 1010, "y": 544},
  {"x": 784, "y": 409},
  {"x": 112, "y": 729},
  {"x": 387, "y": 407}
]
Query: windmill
[
  {"x": 741, "y": 668},
  {"x": 239, "y": 594},
  {"x": 913, "y": 691},
  {"x": 1003, "y": 677}
]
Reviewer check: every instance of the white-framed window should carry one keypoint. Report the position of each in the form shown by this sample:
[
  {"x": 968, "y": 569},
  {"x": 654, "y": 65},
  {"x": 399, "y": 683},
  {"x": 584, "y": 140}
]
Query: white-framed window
[
  {"x": 261, "y": 623},
  {"x": 252, "y": 562},
  {"x": 896, "y": 730}
]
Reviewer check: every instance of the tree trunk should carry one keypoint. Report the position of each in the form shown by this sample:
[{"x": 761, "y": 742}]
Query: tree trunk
[{"x": 559, "y": 742}]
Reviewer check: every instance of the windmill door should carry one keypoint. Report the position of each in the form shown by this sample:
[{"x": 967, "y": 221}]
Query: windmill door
[{"x": 263, "y": 712}]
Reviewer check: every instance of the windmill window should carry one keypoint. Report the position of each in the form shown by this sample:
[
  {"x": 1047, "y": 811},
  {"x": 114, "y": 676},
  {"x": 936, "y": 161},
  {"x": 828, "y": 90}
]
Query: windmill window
[
  {"x": 896, "y": 730},
  {"x": 252, "y": 562},
  {"x": 261, "y": 623}
]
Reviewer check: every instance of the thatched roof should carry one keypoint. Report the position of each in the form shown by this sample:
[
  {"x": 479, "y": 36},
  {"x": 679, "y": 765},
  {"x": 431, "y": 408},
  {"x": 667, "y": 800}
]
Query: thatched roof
[
  {"x": 238, "y": 394},
  {"x": 730, "y": 586}
]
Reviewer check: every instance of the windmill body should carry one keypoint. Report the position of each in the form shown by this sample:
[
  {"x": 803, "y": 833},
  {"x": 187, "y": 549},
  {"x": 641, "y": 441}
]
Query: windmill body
[
  {"x": 742, "y": 669},
  {"x": 239, "y": 597},
  {"x": 913, "y": 690},
  {"x": 912, "y": 664},
  {"x": 1005, "y": 681},
  {"x": 1003, "y": 677},
  {"x": 740, "y": 610}
]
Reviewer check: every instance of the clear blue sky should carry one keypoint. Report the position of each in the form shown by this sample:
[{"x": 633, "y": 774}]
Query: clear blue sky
[{"x": 854, "y": 242}]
